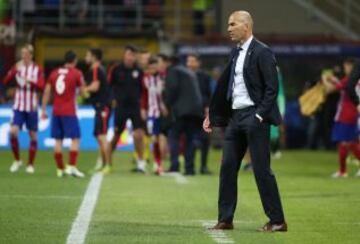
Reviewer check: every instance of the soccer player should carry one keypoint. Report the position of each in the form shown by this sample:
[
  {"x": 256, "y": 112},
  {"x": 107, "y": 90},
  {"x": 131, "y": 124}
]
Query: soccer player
[
  {"x": 345, "y": 126},
  {"x": 166, "y": 118},
  {"x": 29, "y": 79},
  {"x": 152, "y": 107},
  {"x": 125, "y": 81},
  {"x": 100, "y": 99},
  {"x": 64, "y": 81}
]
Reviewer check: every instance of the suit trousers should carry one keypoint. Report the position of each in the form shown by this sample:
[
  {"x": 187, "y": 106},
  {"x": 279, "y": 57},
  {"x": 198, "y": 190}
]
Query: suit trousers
[
  {"x": 245, "y": 130},
  {"x": 184, "y": 125}
]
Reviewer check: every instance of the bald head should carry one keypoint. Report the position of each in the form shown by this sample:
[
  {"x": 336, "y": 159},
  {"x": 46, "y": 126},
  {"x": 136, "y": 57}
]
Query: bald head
[{"x": 240, "y": 26}]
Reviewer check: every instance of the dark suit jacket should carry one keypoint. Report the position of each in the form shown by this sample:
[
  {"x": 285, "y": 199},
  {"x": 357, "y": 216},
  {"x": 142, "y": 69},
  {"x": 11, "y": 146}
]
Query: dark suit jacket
[
  {"x": 261, "y": 80},
  {"x": 204, "y": 83},
  {"x": 182, "y": 92}
]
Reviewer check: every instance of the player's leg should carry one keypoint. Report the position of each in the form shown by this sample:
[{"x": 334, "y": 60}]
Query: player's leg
[
  {"x": 104, "y": 151},
  {"x": 165, "y": 125},
  {"x": 147, "y": 141},
  {"x": 139, "y": 133},
  {"x": 32, "y": 126},
  {"x": 157, "y": 155},
  {"x": 105, "y": 145},
  {"x": 358, "y": 141},
  {"x": 16, "y": 124},
  {"x": 139, "y": 148},
  {"x": 71, "y": 169},
  {"x": 163, "y": 145},
  {"x": 58, "y": 156},
  {"x": 112, "y": 146},
  {"x": 32, "y": 151},
  {"x": 355, "y": 149},
  {"x": 343, "y": 134},
  {"x": 72, "y": 130},
  {"x": 57, "y": 133},
  {"x": 343, "y": 151},
  {"x": 156, "y": 145},
  {"x": 119, "y": 124}
]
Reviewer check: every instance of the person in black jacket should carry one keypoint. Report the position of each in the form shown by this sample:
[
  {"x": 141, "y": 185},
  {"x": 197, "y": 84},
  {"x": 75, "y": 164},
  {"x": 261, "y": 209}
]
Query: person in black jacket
[
  {"x": 353, "y": 86},
  {"x": 193, "y": 62},
  {"x": 183, "y": 99},
  {"x": 125, "y": 82},
  {"x": 245, "y": 103}
]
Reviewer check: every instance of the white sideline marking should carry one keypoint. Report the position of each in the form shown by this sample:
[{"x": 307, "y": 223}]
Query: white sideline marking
[
  {"x": 218, "y": 236},
  {"x": 179, "y": 178},
  {"x": 80, "y": 225}
]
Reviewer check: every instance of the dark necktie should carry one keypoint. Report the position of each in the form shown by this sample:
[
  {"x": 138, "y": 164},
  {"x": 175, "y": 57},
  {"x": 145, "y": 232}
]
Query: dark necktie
[{"x": 232, "y": 74}]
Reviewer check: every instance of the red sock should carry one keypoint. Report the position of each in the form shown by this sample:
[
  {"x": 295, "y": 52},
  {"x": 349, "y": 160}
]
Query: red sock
[
  {"x": 32, "y": 152},
  {"x": 15, "y": 147},
  {"x": 355, "y": 149},
  {"x": 59, "y": 160},
  {"x": 72, "y": 157},
  {"x": 343, "y": 152},
  {"x": 156, "y": 153}
]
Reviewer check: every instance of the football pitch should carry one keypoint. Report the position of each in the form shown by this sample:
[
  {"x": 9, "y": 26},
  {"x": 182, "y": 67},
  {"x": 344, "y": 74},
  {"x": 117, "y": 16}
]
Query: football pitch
[{"x": 133, "y": 208}]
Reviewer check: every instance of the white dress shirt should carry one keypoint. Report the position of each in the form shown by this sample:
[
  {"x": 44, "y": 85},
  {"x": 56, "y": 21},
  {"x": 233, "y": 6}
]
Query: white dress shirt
[{"x": 240, "y": 96}]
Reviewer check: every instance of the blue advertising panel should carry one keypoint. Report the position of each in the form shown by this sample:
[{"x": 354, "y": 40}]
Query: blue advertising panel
[{"x": 86, "y": 120}]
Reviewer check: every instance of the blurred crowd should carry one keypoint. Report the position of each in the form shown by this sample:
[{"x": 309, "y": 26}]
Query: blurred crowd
[{"x": 114, "y": 14}]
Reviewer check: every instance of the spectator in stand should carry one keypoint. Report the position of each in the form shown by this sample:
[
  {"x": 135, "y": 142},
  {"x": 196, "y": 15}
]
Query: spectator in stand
[
  {"x": 199, "y": 7},
  {"x": 77, "y": 10}
]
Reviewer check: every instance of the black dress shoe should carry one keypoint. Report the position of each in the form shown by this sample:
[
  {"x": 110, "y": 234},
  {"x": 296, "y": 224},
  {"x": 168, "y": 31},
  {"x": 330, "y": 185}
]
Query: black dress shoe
[
  {"x": 222, "y": 226},
  {"x": 137, "y": 170},
  {"x": 248, "y": 167},
  {"x": 205, "y": 171},
  {"x": 172, "y": 171},
  {"x": 268, "y": 227},
  {"x": 190, "y": 173}
]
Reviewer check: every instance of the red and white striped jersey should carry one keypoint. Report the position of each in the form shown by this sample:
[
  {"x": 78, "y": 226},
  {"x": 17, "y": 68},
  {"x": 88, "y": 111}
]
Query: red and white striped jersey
[
  {"x": 151, "y": 98},
  {"x": 29, "y": 80}
]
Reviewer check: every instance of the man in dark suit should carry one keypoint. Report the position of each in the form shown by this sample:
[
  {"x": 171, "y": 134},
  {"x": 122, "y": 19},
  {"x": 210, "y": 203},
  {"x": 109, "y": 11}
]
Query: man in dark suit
[
  {"x": 245, "y": 102},
  {"x": 183, "y": 98},
  {"x": 193, "y": 62}
]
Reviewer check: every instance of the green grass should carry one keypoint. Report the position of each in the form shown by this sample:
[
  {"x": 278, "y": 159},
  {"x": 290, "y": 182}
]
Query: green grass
[{"x": 147, "y": 209}]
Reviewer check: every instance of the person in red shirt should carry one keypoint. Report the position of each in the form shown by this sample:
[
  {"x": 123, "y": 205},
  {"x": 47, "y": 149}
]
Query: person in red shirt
[
  {"x": 152, "y": 107},
  {"x": 29, "y": 79},
  {"x": 345, "y": 125},
  {"x": 64, "y": 81}
]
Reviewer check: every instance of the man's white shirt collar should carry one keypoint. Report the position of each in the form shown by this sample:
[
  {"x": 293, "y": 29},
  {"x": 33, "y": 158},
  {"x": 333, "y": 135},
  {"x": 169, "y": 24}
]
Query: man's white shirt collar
[{"x": 246, "y": 44}]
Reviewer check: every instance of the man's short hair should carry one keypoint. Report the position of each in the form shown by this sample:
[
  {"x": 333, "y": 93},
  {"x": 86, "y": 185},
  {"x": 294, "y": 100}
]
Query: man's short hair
[
  {"x": 164, "y": 57},
  {"x": 174, "y": 60},
  {"x": 349, "y": 60},
  {"x": 30, "y": 48},
  {"x": 153, "y": 60},
  {"x": 195, "y": 55},
  {"x": 97, "y": 53},
  {"x": 70, "y": 56},
  {"x": 131, "y": 48}
]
